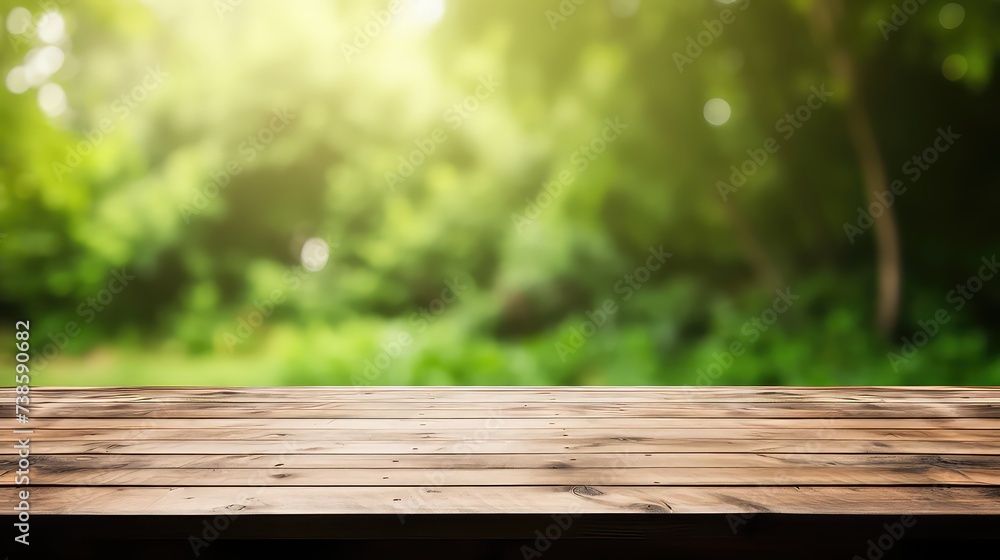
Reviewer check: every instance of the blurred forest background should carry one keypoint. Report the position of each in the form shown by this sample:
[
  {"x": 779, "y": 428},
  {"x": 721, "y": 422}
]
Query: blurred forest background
[{"x": 623, "y": 192}]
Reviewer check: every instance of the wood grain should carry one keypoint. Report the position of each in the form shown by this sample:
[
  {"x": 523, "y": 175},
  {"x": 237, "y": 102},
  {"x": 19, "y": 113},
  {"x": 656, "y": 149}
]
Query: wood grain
[
  {"x": 507, "y": 433},
  {"x": 236, "y": 500},
  {"x": 616, "y": 476},
  {"x": 365, "y": 424},
  {"x": 915, "y": 463},
  {"x": 162, "y": 451},
  {"x": 334, "y": 410},
  {"x": 565, "y": 446}
]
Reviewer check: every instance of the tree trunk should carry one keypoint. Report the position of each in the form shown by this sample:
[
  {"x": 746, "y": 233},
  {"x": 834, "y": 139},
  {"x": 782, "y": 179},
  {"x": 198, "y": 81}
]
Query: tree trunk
[{"x": 887, "y": 243}]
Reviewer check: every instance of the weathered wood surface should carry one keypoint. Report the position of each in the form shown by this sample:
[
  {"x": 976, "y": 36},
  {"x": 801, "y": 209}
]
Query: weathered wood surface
[{"x": 344, "y": 451}]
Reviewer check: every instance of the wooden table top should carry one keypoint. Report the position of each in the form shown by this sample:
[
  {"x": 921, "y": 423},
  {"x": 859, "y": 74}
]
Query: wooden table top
[{"x": 491, "y": 450}]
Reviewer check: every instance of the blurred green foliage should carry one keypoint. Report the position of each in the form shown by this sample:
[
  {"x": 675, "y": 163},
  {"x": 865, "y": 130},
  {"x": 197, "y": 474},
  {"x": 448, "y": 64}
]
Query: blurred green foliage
[{"x": 166, "y": 164}]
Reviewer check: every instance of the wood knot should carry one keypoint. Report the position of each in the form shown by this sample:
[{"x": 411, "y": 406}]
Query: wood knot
[{"x": 587, "y": 491}]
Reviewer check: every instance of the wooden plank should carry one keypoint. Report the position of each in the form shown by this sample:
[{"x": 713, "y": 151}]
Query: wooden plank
[
  {"x": 547, "y": 410},
  {"x": 504, "y": 433},
  {"x": 567, "y": 446},
  {"x": 636, "y": 459},
  {"x": 523, "y": 451},
  {"x": 888, "y": 500},
  {"x": 620, "y": 476},
  {"x": 364, "y": 424}
]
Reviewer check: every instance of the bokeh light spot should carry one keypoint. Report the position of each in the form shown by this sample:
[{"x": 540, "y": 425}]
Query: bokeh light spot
[
  {"x": 951, "y": 15},
  {"x": 41, "y": 63},
  {"x": 955, "y": 67},
  {"x": 52, "y": 99},
  {"x": 16, "y": 81},
  {"x": 18, "y": 20},
  {"x": 51, "y": 27},
  {"x": 717, "y": 111},
  {"x": 315, "y": 254},
  {"x": 425, "y": 12},
  {"x": 624, "y": 8}
]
